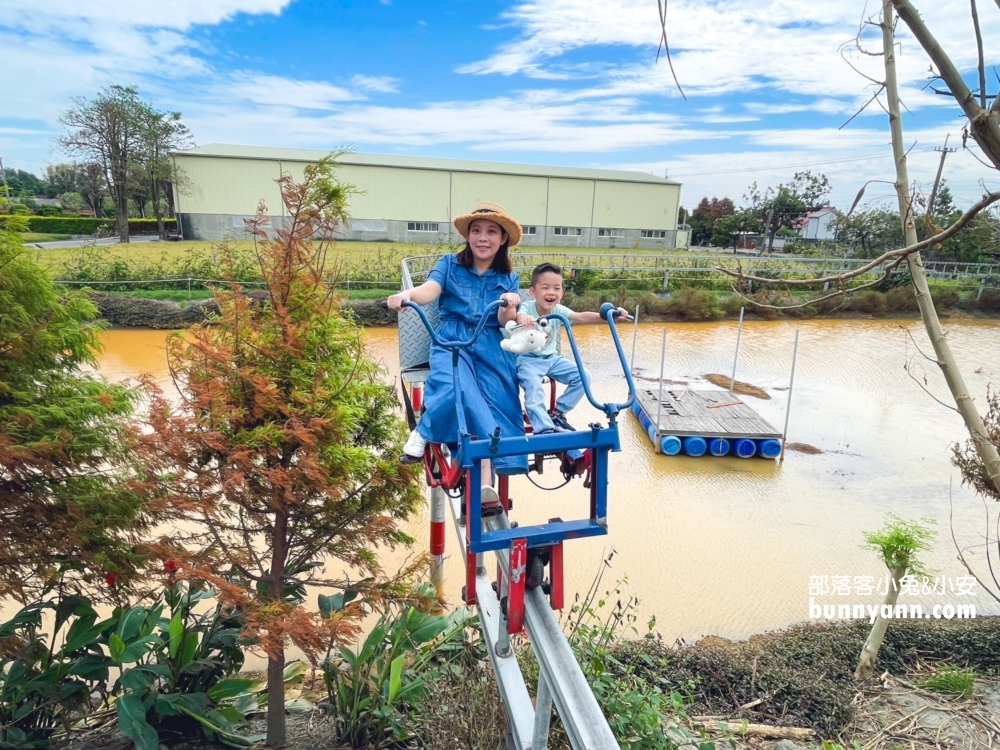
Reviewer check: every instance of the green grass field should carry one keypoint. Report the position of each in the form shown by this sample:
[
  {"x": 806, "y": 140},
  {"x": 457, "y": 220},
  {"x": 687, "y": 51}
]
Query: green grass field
[{"x": 346, "y": 253}]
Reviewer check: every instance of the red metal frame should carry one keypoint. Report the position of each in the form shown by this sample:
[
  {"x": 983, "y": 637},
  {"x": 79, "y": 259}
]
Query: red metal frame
[
  {"x": 556, "y": 575},
  {"x": 515, "y": 590}
]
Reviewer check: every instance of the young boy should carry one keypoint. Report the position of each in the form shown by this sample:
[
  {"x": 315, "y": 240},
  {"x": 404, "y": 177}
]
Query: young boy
[{"x": 546, "y": 293}]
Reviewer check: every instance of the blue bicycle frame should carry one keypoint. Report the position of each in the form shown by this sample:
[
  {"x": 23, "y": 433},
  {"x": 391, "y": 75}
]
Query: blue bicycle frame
[{"x": 597, "y": 438}]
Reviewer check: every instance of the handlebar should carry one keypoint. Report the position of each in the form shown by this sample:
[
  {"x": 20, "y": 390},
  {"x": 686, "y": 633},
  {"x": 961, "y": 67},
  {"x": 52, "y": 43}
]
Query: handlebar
[
  {"x": 455, "y": 345},
  {"x": 608, "y": 311}
]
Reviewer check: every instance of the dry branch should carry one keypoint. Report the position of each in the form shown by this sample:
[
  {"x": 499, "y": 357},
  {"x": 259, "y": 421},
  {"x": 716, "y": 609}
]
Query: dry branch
[
  {"x": 959, "y": 225},
  {"x": 744, "y": 729},
  {"x": 984, "y": 125}
]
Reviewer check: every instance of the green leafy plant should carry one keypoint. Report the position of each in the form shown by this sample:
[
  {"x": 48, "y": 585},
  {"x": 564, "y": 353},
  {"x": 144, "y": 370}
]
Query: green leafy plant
[
  {"x": 42, "y": 688},
  {"x": 183, "y": 662},
  {"x": 638, "y": 711},
  {"x": 369, "y": 691},
  {"x": 952, "y": 680}
]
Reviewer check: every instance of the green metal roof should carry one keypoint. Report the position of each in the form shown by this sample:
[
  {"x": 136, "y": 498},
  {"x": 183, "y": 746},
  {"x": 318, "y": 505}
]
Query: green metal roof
[{"x": 229, "y": 151}]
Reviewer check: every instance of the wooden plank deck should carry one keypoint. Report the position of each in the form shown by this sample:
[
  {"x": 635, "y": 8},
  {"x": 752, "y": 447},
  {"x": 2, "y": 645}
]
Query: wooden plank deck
[{"x": 705, "y": 413}]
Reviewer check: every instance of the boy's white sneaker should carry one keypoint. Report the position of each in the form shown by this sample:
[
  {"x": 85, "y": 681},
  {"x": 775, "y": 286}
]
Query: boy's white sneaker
[{"x": 413, "y": 448}]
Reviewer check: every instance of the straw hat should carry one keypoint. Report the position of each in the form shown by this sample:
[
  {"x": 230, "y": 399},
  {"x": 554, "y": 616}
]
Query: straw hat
[{"x": 492, "y": 212}]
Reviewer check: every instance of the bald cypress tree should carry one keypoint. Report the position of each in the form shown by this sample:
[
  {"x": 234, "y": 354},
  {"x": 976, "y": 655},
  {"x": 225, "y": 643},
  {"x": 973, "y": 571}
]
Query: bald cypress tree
[{"x": 71, "y": 508}]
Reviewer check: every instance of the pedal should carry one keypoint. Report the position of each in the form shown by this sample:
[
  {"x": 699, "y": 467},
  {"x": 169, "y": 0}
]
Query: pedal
[{"x": 406, "y": 458}]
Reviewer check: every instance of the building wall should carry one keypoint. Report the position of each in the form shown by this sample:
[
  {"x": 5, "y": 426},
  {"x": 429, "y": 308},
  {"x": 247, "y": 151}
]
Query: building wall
[{"x": 221, "y": 192}]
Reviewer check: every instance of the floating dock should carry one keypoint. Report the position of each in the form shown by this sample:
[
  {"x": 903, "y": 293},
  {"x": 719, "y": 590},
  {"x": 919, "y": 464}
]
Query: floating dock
[
  {"x": 699, "y": 422},
  {"x": 682, "y": 420}
]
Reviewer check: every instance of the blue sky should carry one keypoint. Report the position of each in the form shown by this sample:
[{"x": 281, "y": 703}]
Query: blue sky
[{"x": 561, "y": 82}]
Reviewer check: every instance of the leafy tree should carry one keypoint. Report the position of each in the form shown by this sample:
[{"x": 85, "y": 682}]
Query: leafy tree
[
  {"x": 71, "y": 201},
  {"x": 786, "y": 204},
  {"x": 704, "y": 216},
  {"x": 70, "y": 505},
  {"x": 61, "y": 178},
  {"x": 128, "y": 138},
  {"x": 868, "y": 234},
  {"x": 727, "y": 229},
  {"x": 281, "y": 453},
  {"x": 164, "y": 132},
  {"x": 24, "y": 184},
  {"x": 92, "y": 186},
  {"x": 898, "y": 543}
]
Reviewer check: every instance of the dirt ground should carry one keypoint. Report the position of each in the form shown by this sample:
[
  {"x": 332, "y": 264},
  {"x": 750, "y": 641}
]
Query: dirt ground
[{"x": 788, "y": 690}]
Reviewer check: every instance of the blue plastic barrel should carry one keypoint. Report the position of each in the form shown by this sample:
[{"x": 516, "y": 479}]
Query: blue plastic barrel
[
  {"x": 718, "y": 446},
  {"x": 670, "y": 445},
  {"x": 769, "y": 448},
  {"x": 644, "y": 421},
  {"x": 636, "y": 408},
  {"x": 694, "y": 445},
  {"x": 653, "y": 436},
  {"x": 744, "y": 448}
]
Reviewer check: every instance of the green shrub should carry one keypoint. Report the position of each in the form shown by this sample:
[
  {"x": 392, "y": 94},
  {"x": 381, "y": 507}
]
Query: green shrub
[
  {"x": 871, "y": 303},
  {"x": 369, "y": 692},
  {"x": 14, "y": 223},
  {"x": 89, "y": 225},
  {"x": 989, "y": 300},
  {"x": 43, "y": 688},
  {"x": 731, "y": 305},
  {"x": 68, "y": 224},
  {"x": 951, "y": 680},
  {"x": 693, "y": 304},
  {"x": 182, "y": 666},
  {"x": 944, "y": 298},
  {"x": 900, "y": 299}
]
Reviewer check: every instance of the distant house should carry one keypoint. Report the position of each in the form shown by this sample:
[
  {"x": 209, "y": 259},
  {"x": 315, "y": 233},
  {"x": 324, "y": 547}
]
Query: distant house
[{"x": 820, "y": 224}]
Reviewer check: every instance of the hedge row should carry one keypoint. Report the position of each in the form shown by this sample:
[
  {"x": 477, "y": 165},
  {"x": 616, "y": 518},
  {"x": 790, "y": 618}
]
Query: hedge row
[{"x": 87, "y": 225}]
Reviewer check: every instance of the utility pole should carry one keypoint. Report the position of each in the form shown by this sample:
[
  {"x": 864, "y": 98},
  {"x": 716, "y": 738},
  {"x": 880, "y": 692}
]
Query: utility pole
[{"x": 937, "y": 180}]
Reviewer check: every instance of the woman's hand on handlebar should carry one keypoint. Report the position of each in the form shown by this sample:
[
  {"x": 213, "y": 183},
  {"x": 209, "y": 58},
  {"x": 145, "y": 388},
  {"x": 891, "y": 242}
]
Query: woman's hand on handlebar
[
  {"x": 513, "y": 300},
  {"x": 508, "y": 313},
  {"x": 395, "y": 302}
]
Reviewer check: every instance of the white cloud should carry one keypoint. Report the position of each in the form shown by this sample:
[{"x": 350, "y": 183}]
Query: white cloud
[
  {"x": 379, "y": 84},
  {"x": 736, "y": 46},
  {"x": 283, "y": 92}
]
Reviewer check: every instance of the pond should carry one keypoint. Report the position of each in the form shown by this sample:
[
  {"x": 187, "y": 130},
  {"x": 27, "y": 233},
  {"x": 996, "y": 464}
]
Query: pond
[{"x": 727, "y": 546}]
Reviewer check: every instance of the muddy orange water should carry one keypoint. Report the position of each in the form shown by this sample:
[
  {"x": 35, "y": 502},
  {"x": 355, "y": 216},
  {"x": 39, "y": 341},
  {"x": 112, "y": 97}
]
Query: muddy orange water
[{"x": 728, "y": 546}]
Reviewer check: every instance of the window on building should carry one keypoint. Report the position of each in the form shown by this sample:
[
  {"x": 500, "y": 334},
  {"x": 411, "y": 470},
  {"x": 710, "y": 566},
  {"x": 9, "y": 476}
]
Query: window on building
[
  {"x": 567, "y": 231},
  {"x": 422, "y": 226},
  {"x": 653, "y": 234},
  {"x": 610, "y": 232},
  {"x": 529, "y": 230}
]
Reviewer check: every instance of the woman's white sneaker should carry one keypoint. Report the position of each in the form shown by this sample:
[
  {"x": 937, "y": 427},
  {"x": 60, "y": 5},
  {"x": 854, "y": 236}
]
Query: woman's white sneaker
[{"x": 413, "y": 449}]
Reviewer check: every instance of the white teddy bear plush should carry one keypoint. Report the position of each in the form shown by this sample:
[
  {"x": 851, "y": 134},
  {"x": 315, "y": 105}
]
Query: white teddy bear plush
[{"x": 524, "y": 340}]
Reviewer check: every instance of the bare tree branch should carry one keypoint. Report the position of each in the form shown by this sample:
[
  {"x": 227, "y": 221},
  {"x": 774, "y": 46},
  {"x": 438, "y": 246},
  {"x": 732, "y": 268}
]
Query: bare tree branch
[
  {"x": 984, "y": 125},
  {"x": 979, "y": 50},
  {"x": 662, "y": 6},
  {"x": 909, "y": 371}
]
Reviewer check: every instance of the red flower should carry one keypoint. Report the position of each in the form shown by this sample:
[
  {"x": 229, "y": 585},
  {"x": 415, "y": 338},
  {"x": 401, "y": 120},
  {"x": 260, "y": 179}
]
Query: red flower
[
  {"x": 111, "y": 579},
  {"x": 171, "y": 566}
]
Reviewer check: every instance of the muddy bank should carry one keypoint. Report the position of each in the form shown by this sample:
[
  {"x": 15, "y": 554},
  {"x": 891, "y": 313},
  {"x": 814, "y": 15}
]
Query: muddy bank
[
  {"x": 804, "y": 676},
  {"x": 136, "y": 312}
]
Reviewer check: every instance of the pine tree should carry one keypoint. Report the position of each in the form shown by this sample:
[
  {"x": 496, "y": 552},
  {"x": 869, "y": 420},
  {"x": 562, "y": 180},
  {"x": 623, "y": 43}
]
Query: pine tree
[
  {"x": 281, "y": 455},
  {"x": 71, "y": 506}
]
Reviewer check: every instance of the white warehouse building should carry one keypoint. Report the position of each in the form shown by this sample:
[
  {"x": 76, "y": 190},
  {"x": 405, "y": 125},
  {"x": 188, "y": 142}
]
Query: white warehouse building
[{"x": 413, "y": 199}]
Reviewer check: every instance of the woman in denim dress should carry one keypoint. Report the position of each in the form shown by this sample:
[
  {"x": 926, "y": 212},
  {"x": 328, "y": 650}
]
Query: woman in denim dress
[{"x": 465, "y": 285}]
